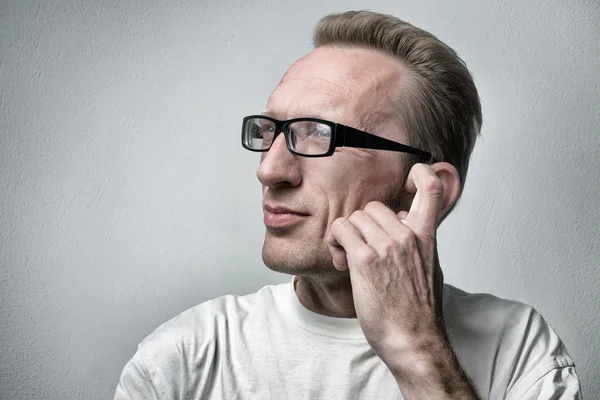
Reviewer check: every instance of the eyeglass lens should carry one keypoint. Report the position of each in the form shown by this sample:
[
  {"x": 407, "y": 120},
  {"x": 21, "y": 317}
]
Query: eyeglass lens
[{"x": 304, "y": 136}]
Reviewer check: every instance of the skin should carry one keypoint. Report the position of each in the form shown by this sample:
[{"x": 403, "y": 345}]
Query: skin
[{"x": 363, "y": 243}]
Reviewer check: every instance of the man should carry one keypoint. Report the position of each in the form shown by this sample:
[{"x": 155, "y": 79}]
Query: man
[{"x": 351, "y": 211}]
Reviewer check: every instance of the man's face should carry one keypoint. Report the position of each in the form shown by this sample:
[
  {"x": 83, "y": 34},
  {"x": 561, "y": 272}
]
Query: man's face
[{"x": 303, "y": 196}]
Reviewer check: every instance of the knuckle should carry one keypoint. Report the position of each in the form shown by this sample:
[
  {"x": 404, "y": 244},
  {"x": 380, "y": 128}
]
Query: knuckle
[
  {"x": 434, "y": 186},
  {"x": 356, "y": 215},
  {"x": 373, "y": 205},
  {"x": 420, "y": 167},
  {"x": 366, "y": 255},
  {"x": 412, "y": 246},
  {"x": 338, "y": 223},
  {"x": 407, "y": 236},
  {"x": 389, "y": 245}
]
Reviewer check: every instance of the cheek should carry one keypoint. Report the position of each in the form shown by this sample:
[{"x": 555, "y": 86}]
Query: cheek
[
  {"x": 344, "y": 187},
  {"x": 330, "y": 190},
  {"x": 343, "y": 190},
  {"x": 355, "y": 187}
]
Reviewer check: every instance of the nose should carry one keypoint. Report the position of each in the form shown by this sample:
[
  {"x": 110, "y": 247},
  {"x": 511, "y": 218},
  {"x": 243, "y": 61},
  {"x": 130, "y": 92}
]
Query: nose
[{"x": 278, "y": 166}]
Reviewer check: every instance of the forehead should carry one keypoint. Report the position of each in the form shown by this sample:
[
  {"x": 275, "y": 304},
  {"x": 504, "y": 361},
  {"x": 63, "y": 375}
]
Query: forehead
[{"x": 355, "y": 86}]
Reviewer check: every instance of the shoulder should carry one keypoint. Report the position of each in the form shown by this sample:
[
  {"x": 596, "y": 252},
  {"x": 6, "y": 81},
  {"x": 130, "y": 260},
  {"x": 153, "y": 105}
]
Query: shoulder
[
  {"x": 508, "y": 320},
  {"x": 493, "y": 311},
  {"x": 183, "y": 354},
  {"x": 207, "y": 320},
  {"x": 508, "y": 337}
]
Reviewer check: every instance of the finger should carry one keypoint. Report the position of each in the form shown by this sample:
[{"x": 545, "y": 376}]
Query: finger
[
  {"x": 380, "y": 227},
  {"x": 429, "y": 190},
  {"x": 386, "y": 218},
  {"x": 369, "y": 228},
  {"x": 338, "y": 255},
  {"x": 345, "y": 234},
  {"x": 400, "y": 235}
]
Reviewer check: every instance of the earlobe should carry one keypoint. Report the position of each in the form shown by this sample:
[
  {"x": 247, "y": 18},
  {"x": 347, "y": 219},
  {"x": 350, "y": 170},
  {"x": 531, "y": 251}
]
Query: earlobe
[{"x": 448, "y": 174}]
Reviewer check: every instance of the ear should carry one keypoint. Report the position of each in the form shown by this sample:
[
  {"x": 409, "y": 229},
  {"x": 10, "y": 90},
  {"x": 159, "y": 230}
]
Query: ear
[{"x": 448, "y": 174}]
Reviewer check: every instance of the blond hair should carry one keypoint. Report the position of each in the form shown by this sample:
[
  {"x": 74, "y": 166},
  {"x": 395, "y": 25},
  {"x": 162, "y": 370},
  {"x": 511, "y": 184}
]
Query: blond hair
[{"x": 438, "y": 103}]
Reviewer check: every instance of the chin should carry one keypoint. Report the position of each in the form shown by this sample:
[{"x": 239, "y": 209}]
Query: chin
[{"x": 301, "y": 259}]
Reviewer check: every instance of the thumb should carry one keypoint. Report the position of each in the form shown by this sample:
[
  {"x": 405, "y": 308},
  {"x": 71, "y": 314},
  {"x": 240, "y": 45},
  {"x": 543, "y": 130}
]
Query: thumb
[{"x": 402, "y": 214}]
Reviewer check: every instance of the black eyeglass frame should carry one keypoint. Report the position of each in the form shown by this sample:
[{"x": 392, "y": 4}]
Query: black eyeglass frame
[{"x": 341, "y": 136}]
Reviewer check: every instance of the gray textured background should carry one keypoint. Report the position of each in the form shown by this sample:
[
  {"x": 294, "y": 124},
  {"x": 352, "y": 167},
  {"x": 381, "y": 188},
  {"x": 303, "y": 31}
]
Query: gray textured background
[{"x": 126, "y": 197}]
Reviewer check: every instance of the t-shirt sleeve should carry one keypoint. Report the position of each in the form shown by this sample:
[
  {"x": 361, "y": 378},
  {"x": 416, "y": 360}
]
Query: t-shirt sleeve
[
  {"x": 176, "y": 361},
  {"x": 542, "y": 368},
  {"x": 135, "y": 384},
  {"x": 559, "y": 383}
]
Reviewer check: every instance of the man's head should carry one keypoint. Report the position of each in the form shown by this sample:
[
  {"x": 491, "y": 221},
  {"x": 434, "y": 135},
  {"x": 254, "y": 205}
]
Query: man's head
[{"x": 379, "y": 74}]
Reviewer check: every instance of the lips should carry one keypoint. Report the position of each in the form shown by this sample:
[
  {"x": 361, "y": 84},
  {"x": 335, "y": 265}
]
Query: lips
[
  {"x": 276, "y": 216},
  {"x": 282, "y": 210}
]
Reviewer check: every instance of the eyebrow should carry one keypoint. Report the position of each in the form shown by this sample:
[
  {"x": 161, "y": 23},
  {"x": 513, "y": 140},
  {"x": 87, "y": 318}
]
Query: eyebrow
[{"x": 268, "y": 112}]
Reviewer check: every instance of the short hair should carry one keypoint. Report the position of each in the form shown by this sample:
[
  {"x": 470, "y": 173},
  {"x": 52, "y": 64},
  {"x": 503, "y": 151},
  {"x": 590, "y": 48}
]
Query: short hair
[{"x": 438, "y": 102}]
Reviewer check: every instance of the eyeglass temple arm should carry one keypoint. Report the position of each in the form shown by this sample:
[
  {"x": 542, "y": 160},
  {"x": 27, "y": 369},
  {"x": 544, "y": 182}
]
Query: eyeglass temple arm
[{"x": 350, "y": 137}]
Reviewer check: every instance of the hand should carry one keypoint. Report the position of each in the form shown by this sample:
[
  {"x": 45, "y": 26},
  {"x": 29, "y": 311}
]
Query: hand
[{"x": 396, "y": 279}]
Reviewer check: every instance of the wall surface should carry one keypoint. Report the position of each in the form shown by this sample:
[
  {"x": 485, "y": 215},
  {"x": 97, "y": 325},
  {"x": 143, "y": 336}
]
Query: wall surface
[{"x": 126, "y": 197}]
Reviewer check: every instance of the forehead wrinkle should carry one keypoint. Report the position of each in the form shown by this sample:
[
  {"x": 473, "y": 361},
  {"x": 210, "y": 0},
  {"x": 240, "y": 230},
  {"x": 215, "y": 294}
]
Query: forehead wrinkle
[
  {"x": 312, "y": 79},
  {"x": 288, "y": 102},
  {"x": 359, "y": 87},
  {"x": 315, "y": 84}
]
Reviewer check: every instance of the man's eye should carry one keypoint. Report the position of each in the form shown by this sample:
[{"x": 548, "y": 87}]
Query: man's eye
[
  {"x": 324, "y": 133},
  {"x": 268, "y": 129}
]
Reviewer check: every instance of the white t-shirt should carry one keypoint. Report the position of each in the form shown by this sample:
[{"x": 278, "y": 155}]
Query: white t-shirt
[{"x": 267, "y": 345}]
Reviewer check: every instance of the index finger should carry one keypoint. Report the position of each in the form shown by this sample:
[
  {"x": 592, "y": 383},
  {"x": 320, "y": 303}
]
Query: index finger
[{"x": 425, "y": 208}]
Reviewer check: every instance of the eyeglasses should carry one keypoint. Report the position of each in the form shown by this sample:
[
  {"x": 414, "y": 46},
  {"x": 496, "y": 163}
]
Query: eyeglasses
[{"x": 313, "y": 137}]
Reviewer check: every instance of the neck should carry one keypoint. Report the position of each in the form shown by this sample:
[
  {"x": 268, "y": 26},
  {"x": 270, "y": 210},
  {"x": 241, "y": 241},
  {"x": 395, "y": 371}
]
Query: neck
[{"x": 329, "y": 299}]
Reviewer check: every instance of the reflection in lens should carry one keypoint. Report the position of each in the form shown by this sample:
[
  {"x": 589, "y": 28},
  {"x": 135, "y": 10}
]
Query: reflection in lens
[
  {"x": 259, "y": 133},
  {"x": 293, "y": 141},
  {"x": 312, "y": 137}
]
